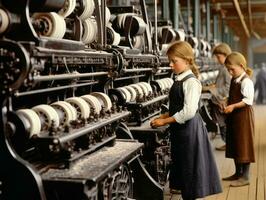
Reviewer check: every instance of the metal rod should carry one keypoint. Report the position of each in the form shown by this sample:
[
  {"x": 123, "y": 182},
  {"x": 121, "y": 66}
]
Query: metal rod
[
  {"x": 136, "y": 70},
  {"x": 208, "y": 21},
  {"x": 67, "y": 76},
  {"x": 196, "y": 20},
  {"x": 188, "y": 15},
  {"x": 103, "y": 9},
  {"x": 99, "y": 19},
  {"x": 148, "y": 27},
  {"x": 164, "y": 68},
  {"x": 161, "y": 74},
  {"x": 165, "y": 9},
  {"x": 151, "y": 115},
  {"x": 215, "y": 27},
  {"x": 19, "y": 94},
  {"x": 175, "y": 16},
  {"x": 156, "y": 99},
  {"x": 156, "y": 46},
  {"x": 144, "y": 11},
  {"x": 93, "y": 127},
  {"x": 130, "y": 77},
  {"x": 184, "y": 26}
]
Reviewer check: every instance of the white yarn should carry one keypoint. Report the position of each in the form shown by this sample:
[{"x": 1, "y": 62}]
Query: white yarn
[
  {"x": 68, "y": 8},
  {"x": 181, "y": 34},
  {"x": 56, "y": 25},
  {"x": 88, "y": 9},
  {"x": 90, "y": 31},
  {"x": 5, "y": 21}
]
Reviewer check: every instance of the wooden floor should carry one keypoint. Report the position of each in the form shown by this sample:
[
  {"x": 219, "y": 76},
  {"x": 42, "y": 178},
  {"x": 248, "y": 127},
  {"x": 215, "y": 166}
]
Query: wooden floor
[{"x": 257, "y": 188}]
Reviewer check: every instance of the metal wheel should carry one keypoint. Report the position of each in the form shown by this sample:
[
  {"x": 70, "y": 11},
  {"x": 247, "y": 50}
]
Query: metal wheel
[
  {"x": 16, "y": 63},
  {"x": 119, "y": 186}
]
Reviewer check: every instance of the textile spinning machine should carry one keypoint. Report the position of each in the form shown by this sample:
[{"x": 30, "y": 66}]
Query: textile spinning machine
[
  {"x": 143, "y": 84},
  {"x": 81, "y": 80},
  {"x": 59, "y": 117}
]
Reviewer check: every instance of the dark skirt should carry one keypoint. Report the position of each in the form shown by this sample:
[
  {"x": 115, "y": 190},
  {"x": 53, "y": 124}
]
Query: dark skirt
[{"x": 193, "y": 169}]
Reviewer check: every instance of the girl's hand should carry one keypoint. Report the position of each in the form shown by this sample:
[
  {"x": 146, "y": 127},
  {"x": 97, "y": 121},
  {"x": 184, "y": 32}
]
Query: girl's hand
[
  {"x": 222, "y": 106},
  {"x": 229, "y": 109},
  {"x": 157, "y": 122}
]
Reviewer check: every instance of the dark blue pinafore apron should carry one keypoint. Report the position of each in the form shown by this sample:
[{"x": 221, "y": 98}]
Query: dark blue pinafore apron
[{"x": 193, "y": 169}]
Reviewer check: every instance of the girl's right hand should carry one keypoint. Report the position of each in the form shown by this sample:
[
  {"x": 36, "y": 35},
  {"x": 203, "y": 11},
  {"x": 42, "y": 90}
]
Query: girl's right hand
[
  {"x": 228, "y": 109},
  {"x": 157, "y": 122}
]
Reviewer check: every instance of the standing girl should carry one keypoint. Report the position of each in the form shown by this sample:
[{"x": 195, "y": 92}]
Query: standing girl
[
  {"x": 193, "y": 169},
  {"x": 240, "y": 120},
  {"x": 220, "y": 90}
]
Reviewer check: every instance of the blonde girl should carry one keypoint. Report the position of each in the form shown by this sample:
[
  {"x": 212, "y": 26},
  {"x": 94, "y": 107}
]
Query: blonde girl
[
  {"x": 240, "y": 120},
  {"x": 220, "y": 90},
  {"x": 193, "y": 169}
]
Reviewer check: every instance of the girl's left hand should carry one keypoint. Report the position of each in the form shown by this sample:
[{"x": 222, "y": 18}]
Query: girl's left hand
[
  {"x": 228, "y": 109},
  {"x": 157, "y": 122}
]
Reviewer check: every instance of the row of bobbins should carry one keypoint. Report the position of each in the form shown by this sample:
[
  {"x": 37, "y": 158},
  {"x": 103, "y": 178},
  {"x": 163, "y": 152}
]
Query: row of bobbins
[
  {"x": 55, "y": 24},
  {"x": 165, "y": 84},
  {"x": 134, "y": 92},
  {"x": 211, "y": 75},
  {"x": 62, "y": 113}
]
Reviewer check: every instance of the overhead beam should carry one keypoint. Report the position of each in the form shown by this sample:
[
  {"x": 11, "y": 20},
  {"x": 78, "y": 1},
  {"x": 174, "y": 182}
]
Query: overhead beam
[
  {"x": 254, "y": 17},
  {"x": 241, "y": 17},
  {"x": 250, "y": 16},
  {"x": 232, "y": 10},
  {"x": 254, "y": 3},
  {"x": 255, "y": 34}
]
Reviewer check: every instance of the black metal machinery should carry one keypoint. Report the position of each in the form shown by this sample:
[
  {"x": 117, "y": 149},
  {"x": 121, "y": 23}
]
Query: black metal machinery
[
  {"x": 142, "y": 87},
  {"x": 58, "y": 124},
  {"x": 80, "y": 83}
]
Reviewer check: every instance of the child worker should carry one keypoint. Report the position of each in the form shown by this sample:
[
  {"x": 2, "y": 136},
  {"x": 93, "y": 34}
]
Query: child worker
[
  {"x": 240, "y": 119},
  {"x": 193, "y": 168},
  {"x": 220, "y": 90}
]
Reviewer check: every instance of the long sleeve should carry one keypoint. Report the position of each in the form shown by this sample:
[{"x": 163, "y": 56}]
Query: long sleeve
[
  {"x": 222, "y": 84},
  {"x": 247, "y": 90},
  {"x": 192, "y": 91},
  {"x": 224, "y": 89}
]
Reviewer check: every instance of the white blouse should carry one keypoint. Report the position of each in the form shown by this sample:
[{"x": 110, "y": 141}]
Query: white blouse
[
  {"x": 247, "y": 89},
  {"x": 192, "y": 92}
]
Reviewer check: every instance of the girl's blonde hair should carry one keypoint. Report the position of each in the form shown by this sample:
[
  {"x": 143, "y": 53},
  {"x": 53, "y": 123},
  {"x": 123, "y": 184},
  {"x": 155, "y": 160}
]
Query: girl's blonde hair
[
  {"x": 184, "y": 50},
  {"x": 236, "y": 58},
  {"x": 222, "y": 48}
]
